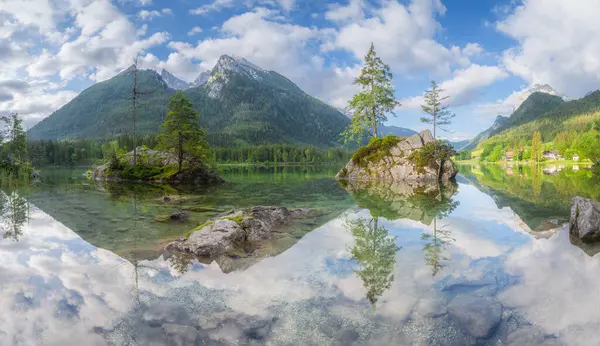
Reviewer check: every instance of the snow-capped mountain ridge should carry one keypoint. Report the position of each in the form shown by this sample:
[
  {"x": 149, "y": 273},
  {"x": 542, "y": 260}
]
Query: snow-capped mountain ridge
[{"x": 542, "y": 88}]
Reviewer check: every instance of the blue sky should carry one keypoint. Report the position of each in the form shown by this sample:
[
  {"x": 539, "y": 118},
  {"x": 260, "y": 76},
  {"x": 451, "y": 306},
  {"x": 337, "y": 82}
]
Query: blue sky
[{"x": 484, "y": 53}]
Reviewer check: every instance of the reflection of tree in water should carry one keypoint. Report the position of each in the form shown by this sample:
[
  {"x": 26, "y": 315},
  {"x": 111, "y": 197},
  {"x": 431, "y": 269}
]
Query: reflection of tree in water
[
  {"x": 180, "y": 261},
  {"x": 435, "y": 244},
  {"x": 376, "y": 251},
  {"x": 14, "y": 213}
]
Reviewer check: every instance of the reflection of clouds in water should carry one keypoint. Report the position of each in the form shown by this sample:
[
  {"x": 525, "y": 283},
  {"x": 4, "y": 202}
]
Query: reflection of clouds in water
[
  {"x": 558, "y": 289},
  {"x": 57, "y": 286}
]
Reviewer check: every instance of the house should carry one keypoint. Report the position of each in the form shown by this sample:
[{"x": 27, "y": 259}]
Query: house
[
  {"x": 551, "y": 155},
  {"x": 575, "y": 157},
  {"x": 509, "y": 155}
]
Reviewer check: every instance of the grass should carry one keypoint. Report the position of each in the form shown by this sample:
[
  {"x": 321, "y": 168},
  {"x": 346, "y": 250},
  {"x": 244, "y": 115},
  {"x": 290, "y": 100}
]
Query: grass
[{"x": 377, "y": 149}]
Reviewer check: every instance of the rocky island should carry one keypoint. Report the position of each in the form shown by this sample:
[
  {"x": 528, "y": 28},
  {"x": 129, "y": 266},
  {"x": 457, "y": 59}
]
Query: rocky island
[
  {"x": 154, "y": 166},
  {"x": 418, "y": 158}
]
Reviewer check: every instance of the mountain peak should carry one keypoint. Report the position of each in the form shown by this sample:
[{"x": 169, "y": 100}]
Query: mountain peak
[
  {"x": 536, "y": 88},
  {"x": 172, "y": 81},
  {"x": 127, "y": 70}
]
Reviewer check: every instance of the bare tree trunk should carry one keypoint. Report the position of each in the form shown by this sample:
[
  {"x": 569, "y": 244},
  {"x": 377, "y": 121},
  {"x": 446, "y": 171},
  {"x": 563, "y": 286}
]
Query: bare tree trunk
[
  {"x": 374, "y": 125},
  {"x": 180, "y": 154},
  {"x": 134, "y": 94}
]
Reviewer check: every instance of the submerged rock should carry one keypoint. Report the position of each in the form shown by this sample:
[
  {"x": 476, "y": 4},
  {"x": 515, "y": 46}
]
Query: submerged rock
[
  {"x": 236, "y": 229},
  {"x": 181, "y": 215},
  {"x": 585, "y": 220},
  {"x": 395, "y": 162},
  {"x": 477, "y": 316}
]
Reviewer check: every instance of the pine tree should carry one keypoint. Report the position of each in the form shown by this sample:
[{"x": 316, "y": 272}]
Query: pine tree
[
  {"x": 439, "y": 114},
  {"x": 374, "y": 102},
  {"x": 182, "y": 132}
]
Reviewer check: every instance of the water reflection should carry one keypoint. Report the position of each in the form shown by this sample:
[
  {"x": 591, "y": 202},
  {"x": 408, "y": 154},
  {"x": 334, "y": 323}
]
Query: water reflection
[
  {"x": 376, "y": 251},
  {"x": 435, "y": 245},
  {"x": 14, "y": 213}
]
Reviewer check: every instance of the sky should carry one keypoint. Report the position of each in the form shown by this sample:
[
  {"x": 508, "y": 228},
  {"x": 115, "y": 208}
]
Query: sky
[{"x": 482, "y": 52}]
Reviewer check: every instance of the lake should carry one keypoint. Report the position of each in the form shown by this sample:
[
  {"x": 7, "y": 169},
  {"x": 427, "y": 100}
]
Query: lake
[{"x": 485, "y": 261}]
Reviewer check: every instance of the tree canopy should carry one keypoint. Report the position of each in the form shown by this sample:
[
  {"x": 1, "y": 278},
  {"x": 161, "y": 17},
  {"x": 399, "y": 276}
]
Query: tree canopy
[
  {"x": 181, "y": 132},
  {"x": 375, "y": 100},
  {"x": 438, "y": 113}
]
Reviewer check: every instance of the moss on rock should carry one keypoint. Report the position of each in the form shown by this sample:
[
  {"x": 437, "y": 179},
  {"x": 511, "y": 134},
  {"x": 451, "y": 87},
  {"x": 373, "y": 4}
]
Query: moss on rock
[{"x": 377, "y": 149}]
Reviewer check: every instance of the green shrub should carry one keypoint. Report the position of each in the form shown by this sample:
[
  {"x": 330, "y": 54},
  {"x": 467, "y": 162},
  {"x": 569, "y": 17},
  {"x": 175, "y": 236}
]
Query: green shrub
[
  {"x": 431, "y": 154},
  {"x": 378, "y": 148}
]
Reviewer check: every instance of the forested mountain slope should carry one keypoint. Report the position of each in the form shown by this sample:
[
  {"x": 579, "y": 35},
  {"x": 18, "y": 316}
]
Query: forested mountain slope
[{"x": 239, "y": 103}]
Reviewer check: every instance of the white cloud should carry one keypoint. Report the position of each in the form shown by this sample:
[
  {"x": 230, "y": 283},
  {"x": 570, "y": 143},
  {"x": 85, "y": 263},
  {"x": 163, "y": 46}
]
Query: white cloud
[
  {"x": 195, "y": 31},
  {"x": 464, "y": 85},
  {"x": 501, "y": 107},
  {"x": 215, "y": 6},
  {"x": 353, "y": 11},
  {"x": 403, "y": 37},
  {"x": 555, "y": 44},
  {"x": 149, "y": 15}
]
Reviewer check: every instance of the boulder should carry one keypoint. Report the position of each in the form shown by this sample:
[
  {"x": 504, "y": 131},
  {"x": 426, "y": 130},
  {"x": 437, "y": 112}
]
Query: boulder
[
  {"x": 236, "y": 229},
  {"x": 396, "y": 164},
  {"x": 478, "y": 316},
  {"x": 585, "y": 220}
]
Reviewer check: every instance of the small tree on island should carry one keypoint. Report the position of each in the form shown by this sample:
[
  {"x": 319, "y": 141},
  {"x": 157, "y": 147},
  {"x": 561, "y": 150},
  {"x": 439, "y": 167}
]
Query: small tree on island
[
  {"x": 181, "y": 132},
  {"x": 375, "y": 100},
  {"x": 438, "y": 114}
]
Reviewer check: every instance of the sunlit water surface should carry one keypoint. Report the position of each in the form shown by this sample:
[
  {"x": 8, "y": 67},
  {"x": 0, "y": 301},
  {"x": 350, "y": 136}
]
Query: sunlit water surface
[{"x": 81, "y": 264}]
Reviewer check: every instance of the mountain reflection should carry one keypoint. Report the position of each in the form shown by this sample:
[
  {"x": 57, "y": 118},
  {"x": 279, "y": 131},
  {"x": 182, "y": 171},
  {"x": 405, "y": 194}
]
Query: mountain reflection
[{"x": 376, "y": 251}]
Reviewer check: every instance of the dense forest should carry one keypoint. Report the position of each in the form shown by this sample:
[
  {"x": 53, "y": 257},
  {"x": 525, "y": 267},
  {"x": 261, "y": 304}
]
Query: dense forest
[{"x": 86, "y": 152}]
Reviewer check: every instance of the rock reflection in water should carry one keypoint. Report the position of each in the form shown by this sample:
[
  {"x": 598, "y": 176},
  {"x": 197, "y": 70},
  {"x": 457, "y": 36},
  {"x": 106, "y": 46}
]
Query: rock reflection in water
[
  {"x": 403, "y": 200},
  {"x": 376, "y": 251}
]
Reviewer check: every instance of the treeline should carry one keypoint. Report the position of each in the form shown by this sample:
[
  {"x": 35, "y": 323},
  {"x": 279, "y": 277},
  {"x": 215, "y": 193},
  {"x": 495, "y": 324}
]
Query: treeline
[
  {"x": 280, "y": 154},
  {"x": 85, "y": 152}
]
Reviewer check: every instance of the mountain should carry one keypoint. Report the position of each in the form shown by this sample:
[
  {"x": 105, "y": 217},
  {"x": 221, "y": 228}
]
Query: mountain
[
  {"x": 238, "y": 102},
  {"x": 499, "y": 123},
  {"x": 173, "y": 82},
  {"x": 571, "y": 128},
  {"x": 536, "y": 105},
  {"x": 396, "y": 131},
  {"x": 542, "y": 88},
  {"x": 460, "y": 144}
]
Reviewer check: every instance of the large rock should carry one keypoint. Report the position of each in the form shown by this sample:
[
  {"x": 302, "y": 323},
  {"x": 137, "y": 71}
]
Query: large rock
[
  {"x": 396, "y": 166},
  {"x": 235, "y": 230},
  {"x": 585, "y": 220},
  {"x": 476, "y": 315}
]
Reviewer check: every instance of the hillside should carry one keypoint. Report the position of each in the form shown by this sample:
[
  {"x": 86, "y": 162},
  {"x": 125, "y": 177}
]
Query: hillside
[
  {"x": 238, "y": 103},
  {"x": 536, "y": 105},
  {"x": 571, "y": 128}
]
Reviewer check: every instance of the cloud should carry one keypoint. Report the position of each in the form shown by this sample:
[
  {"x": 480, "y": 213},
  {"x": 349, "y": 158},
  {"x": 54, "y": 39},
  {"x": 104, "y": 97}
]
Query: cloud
[
  {"x": 404, "y": 37},
  {"x": 195, "y": 31},
  {"x": 354, "y": 11},
  {"x": 554, "y": 44},
  {"x": 464, "y": 86},
  {"x": 149, "y": 15},
  {"x": 215, "y": 6}
]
